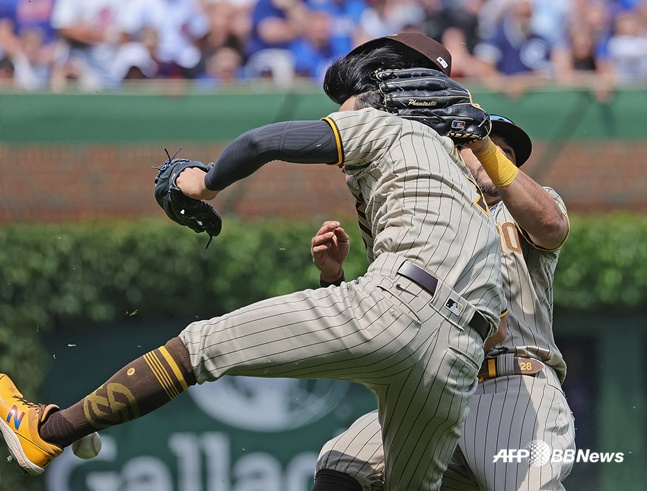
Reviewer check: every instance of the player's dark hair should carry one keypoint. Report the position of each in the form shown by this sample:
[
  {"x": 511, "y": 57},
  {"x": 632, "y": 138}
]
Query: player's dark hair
[{"x": 353, "y": 74}]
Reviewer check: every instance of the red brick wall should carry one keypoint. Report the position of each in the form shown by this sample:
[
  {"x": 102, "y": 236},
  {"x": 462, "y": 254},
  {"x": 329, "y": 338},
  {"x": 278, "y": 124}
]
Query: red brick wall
[
  {"x": 56, "y": 183},
  {"x": 596, "y": 175}
]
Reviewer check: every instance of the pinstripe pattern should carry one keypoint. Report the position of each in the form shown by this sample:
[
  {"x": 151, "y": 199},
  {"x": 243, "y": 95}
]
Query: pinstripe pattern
[
  {"x": 529, "y": 272},
  {"x": 420, "y": 202},
  {"x": 505, "y": 412},
  {"x": 382, "y": 330},
  {"x": 364, "y": 225},
  {"x": 509, "y": 413}
]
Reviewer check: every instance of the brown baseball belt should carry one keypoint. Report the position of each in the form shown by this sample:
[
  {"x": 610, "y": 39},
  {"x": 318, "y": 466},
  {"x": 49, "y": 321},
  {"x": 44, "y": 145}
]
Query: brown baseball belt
[{"x": 508, "y": 364}]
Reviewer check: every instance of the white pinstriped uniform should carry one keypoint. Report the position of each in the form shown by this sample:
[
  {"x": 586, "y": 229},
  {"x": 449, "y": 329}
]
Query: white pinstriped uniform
[
  {"x": 418, "y": 357},
  {"x": 506, "y": 412}
]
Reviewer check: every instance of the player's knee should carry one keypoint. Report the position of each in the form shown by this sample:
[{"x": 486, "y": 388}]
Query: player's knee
[{"x": 329, "y": 480}]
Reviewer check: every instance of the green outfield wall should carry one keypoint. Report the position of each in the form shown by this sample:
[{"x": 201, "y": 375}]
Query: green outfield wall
[{"x": 169, "y": 114}]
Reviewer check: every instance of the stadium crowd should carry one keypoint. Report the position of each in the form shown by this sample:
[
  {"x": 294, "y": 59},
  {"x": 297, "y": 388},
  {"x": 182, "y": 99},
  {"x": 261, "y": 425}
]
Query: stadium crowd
[{"x": 98, "y": 45}]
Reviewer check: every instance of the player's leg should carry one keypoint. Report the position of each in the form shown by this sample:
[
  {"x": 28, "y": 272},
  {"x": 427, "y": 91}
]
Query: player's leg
[
  {"x": 353, "y": 460},
  {"x": 511, "y": 412},
  {"x": 421, "y": 434},
  {"x": 285, "y": 339},
  {"x": 458, "y": 476},
  {"x": 345, "y": 333},
  {"x": 36, "y": 434},
  {"x": 388, "y": 336},
  {"x": 554, "y": 430},
  {"x": 386, "y": 333}
]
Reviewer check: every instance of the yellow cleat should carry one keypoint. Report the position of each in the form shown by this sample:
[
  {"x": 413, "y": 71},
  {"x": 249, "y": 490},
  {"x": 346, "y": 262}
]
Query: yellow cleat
[{"x": 19, "y": 422}]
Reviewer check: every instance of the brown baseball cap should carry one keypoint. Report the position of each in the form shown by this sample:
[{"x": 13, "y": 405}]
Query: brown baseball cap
[{"x": 416, "y": 41}]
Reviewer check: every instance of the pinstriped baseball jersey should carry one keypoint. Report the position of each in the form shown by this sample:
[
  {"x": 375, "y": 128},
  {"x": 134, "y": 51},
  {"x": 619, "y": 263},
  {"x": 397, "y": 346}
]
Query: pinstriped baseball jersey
[
  {"x": 510, "y": 412},
  {"x": 528, "y": 274},
  {"x": 507, "y": 412},
  {"x": 417, "y": 195},
  {"x": 413, "y": 348}
]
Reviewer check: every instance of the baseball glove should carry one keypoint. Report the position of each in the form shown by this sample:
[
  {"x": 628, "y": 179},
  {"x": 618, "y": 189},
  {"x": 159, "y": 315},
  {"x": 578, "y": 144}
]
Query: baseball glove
[
  {"x": 431, "y": 97},
  {"x": 198, "y": 215}
]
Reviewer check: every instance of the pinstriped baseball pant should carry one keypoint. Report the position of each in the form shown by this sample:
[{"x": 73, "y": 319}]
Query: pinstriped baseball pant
[
  {"x": 381, "y": 330},
  {"x": 505, "y": 413}
]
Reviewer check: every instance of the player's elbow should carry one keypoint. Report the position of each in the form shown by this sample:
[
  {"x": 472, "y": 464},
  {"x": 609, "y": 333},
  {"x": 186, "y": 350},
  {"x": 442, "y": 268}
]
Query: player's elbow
[
  {"x": 554, "y": 231},
  {"x": 257, "y": 146}
]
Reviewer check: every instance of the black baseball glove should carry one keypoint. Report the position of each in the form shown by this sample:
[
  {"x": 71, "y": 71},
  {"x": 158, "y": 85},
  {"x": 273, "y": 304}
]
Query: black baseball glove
[
  {"x": 198, "y": 215},
  {"x": 431, "y": 97}
]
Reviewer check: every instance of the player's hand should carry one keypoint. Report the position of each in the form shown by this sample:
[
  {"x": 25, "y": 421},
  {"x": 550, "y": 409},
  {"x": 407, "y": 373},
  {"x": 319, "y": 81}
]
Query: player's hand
[
  {"x": 498, "y": 336},
  {"x": 478, "y": 145},
  {"x": 191, "y": 183},
  {"x": 329, "y": 247}
]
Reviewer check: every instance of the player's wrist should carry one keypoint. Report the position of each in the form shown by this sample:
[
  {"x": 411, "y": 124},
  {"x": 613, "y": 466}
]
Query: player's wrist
[
  {"x": 335, "y": 279},
  {"x": 499, "y": 167},
  {"x": 478, "y": 145}
]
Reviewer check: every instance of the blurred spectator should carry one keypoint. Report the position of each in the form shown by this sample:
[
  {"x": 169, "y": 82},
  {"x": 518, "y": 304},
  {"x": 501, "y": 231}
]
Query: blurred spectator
[
  {"x": 90, "y": 37},
  {"x": 315, "y": 51},
  {"x": 31, "y": 60},
  {"x": 78, "y": 43},
  {"x": 134, "y": 62},
  {"x": 230, "y": 24},
  {"x": 6, "y": 71},
  {"x": 27, "y": 38},
  {"x": 464, "y": 16},
  {"x": 457, "y": 26},
  {"x": 181, "y": 26},
  {"x": 491, "y": 15},
  {"x": 29, "y": 15},
  {"x": 515, "y": 51},
  {"x": 581, "y": 53},
  {"x": 628, "y": 48},
  {"x": 617, "y": 6},
  {"x": 345, "y": 18},
  {"x": 582, "y": 50},
  {"x": 596, "y": 16},
  {"x": 549, "y": 19},
  {"x": 276, "y": 24},
  {"x": 223, "y": 67},
  {"x": 384, "y": 17},
  {"x": 432, "y": 23}
]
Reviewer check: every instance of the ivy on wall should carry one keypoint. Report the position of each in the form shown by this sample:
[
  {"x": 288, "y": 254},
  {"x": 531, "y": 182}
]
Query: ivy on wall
[
  {"x": 100, "y": 271},
  {"x": 94, "y": 272},
  {"x": 603, "y": 265}
]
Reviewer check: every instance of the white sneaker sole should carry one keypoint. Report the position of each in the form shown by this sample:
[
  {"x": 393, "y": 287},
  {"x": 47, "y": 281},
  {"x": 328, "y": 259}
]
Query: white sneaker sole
[{"x": 13, "y": 442}]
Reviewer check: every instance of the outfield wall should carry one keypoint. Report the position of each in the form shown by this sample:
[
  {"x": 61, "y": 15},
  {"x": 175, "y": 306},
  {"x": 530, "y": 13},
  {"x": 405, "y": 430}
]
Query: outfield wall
[{"x": 65, "y": 157}]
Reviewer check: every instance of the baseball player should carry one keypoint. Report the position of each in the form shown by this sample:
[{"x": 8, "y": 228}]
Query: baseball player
[
  {"x": 411, "y": 329},
  {"x": 519, "y": 401}
]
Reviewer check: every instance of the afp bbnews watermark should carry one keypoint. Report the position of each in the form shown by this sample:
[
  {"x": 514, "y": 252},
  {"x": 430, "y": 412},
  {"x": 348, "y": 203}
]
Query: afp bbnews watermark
[{"x": 538, "y": 453}]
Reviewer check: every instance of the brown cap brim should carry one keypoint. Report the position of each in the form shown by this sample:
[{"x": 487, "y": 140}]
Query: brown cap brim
[{"x": 424, "y": 45}]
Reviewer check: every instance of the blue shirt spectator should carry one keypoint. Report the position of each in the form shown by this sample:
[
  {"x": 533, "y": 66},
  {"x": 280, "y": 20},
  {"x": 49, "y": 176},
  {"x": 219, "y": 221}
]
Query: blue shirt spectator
[
  {"x": 29, "y": 15},
  {"x": 317, "y": 49},
  {"x": 283, "y": 30},
  {"x": 276, "y": 24},
  {"x": 514, "y": 47},
  {"x": 345, "y": 18}
]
